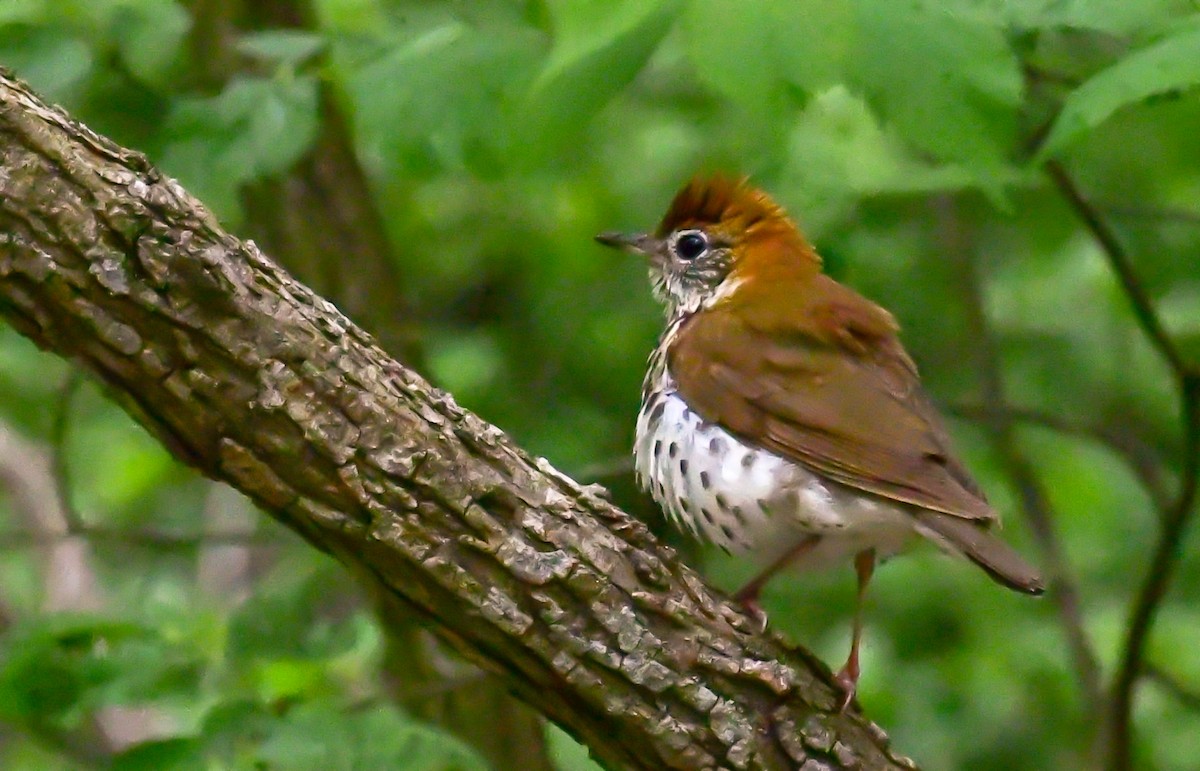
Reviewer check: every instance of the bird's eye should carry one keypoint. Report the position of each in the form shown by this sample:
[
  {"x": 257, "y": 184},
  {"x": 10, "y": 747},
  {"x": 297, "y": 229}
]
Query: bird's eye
[{"x": 690, "y": 245}]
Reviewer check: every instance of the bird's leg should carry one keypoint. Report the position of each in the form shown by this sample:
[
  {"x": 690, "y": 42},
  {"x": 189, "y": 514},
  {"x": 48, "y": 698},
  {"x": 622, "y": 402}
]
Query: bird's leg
[
  {"x": 747, "y": 596},
  {"x": 864, "y": 566}
]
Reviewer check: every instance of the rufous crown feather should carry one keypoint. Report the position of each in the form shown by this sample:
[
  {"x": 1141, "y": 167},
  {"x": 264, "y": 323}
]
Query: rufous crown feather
[
  {"x": 719, "y": 200},
  {"x": 734, "y": 209}
]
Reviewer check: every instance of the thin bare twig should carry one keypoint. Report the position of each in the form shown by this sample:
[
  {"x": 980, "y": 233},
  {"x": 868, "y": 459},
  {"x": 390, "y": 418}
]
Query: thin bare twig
[
  {"x": 1188, "y": 697},
  {"x": 1154, "y": 586},
  {"x": 1137, "y": 454},
  {"x": 1177, "y": 517},
  {"x": 1118, "y": 258},
  {"x": 59, "y": 431},
  {"x": 1153, "y": 213},
  {"x": 1000, "y": 422}
]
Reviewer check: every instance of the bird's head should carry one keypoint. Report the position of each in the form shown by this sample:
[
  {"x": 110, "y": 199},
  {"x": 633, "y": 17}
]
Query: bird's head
[{"x": 717, "y": 234}]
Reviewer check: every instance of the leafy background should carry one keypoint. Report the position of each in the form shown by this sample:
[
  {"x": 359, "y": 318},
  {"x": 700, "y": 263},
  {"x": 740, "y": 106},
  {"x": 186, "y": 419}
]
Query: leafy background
[{"x": 439, "y": 168}]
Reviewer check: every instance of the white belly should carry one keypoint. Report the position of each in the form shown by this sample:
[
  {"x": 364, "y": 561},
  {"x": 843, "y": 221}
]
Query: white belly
[{"x": 750, "y": 500}]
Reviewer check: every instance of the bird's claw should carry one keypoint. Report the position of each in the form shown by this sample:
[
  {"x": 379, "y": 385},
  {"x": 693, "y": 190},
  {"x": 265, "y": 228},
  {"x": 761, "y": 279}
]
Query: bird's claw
[
  {"x": 752, "y": 609},
  {"x": 847, "y": 682},
  {"x": 597, "y": 490}
]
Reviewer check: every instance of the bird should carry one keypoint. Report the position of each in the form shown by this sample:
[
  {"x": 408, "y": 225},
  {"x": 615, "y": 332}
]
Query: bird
[{"x": 781, "y": 417}]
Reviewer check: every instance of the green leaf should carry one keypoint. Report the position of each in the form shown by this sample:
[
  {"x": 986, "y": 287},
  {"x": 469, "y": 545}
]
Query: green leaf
[
  {"x": 949, "y": 83},
  {"x": 599, "y": 46},
  {"x": 838, "y": 153},
  {"x": 176, "y": 754},
  {"x": 50, "y": 59},
  {"x": 279, "y": 117},
  {"x": 137, "y": 465},
  {"x": 387, "y": 739},
  {"x": 150, "y": 38},
  {"x": 30, "y": 11},
  {"x": 352, "y": 16},
  {"x": 53, "y": 667},
  {"x": 231, "y": 723},
  {"x": 465, "y": 362},
  {"x": 1169, "y": 65},
  {"x": 1115, "y": 17},
  {"x": 254, "y": 128},
  {"x": 282, "y": 679},
  {"x": 433, "y": 98},
  {"x": 290, "y": 47},
  {"x": 283, "y": 620},
  {"x": 568, "y": 754},
  {"x": 748, "y": 51},
  {"x": 320, "y": 735}
]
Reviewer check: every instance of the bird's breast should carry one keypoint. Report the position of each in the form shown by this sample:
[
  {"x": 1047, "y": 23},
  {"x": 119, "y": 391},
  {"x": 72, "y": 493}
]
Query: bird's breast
[{"x": 747, "y": 499}]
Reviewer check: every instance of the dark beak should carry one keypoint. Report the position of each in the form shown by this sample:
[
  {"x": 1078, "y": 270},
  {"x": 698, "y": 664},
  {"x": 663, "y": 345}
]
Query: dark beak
[{"x": 638, "y": 243}]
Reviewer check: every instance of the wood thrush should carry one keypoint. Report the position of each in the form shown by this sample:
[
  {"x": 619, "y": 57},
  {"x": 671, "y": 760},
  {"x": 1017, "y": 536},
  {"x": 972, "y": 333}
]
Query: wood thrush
[{"x": 781, "y": 417}]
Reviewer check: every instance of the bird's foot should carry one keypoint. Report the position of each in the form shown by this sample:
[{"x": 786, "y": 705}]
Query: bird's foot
[
  {"x": 847, "y": 681},
  {"x": 749, "y": 602},
  {"x": 598, "y": 490}
]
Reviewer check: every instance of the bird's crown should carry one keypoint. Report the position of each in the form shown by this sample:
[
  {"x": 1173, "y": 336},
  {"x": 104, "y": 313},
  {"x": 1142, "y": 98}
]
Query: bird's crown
[{"x": 722, "y": 203}]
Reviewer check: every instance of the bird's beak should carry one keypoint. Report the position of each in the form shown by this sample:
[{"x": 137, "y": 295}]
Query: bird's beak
[{"x": 637, "y": 243}]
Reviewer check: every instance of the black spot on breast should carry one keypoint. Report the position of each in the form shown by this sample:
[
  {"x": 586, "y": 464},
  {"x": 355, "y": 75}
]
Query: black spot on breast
[
  {"x": 657, "y": 413},
  {"x": 708, "y": 516},
  {"x": 683, "y": 466},
  {"x": 738, "y": 514},
  {"x": 728, "y": 531},
  {"x": 716, "y": 445},
  {"x": 657, "y": 448},
  {"x": 705, "y": 481},
  {"x": 684, "y": 505},
  {"x": 673, "y": 449},
  {"x": 722, "y": 502},
  {"x": 748, "y": 460}
]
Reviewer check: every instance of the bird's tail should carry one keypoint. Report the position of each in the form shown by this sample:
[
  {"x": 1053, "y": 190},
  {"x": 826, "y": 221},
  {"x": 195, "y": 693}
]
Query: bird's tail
[{"x": 972, "y": 539}]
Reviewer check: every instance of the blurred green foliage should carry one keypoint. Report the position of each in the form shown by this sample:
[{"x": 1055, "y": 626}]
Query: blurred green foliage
[{"x": 497, "y": 137}]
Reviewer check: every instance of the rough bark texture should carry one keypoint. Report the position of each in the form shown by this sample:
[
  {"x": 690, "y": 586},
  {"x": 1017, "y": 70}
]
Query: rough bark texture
[
  {"x": 317, "y": 219},
  {"x": 248, "y": 376}
]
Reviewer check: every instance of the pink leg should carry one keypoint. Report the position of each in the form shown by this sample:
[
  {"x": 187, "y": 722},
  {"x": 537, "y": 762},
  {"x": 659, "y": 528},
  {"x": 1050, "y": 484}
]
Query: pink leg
[
  {"x": 864, "y": 566},
  {"x": 747, "y": 596}
]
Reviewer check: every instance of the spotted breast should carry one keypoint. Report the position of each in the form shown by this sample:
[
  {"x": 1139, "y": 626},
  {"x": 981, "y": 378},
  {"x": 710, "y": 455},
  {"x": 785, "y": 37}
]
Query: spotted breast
[{"x": 749, "y": 500}]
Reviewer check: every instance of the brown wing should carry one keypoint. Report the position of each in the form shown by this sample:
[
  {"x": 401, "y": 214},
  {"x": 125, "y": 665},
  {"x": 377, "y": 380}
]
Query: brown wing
[{"x": 830, "y": 387}]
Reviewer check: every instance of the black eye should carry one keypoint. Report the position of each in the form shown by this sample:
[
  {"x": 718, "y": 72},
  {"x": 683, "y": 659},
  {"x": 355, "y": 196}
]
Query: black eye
[{"x": 691, "y": 245}]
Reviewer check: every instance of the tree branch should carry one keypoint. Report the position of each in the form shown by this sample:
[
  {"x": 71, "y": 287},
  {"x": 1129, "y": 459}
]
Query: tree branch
[
  {"x": 1177, "y": 516},
  {"x": 251, "y": 378},
  {"x": 1138, "y": 454},
  {"x": 1119, "y": 260},
  {"x": 1171, "y": 684}
]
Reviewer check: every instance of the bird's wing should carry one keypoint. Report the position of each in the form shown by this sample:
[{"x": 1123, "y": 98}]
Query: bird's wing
[{"x": 830, "y": 387}]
